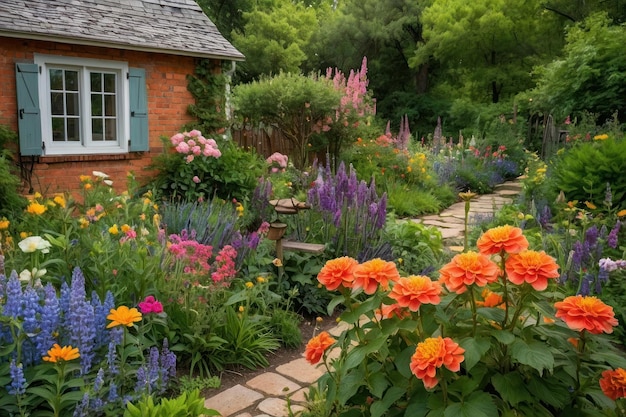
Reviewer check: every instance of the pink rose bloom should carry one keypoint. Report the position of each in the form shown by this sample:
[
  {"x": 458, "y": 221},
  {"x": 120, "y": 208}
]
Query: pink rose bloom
[
  {"x": 211, "y": 142},
  {"x": 196, "y": 150},
  {"x": 182, "y": 148},
  {"x": 202, "y": 140},
  {"x": 196, "y": 179},
  {"x": 195, "y": 133},
  {"x": 191, "y": 143},
  {"x": 150, "y": 305},
  {"x": 274, "y": 169},
  {"x": 264, "y": 228},
  {"x": 189, "y": 158},
  {"x": 177, "y": 138}
]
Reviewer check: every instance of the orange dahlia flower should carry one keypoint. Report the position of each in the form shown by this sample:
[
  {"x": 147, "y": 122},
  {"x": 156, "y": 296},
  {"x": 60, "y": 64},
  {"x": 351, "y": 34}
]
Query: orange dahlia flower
[
  {"x": 337, "y": 273},
  {"x": 58, "y": 353},
  {"x": 491, "y": 299},
  {"x": 503, "y": 238},
  {"x": 586, "y": 313},
  {"x": 432, "y": 354},
  {"x": 123, "y": 316},
  {"x": 414, "y": 291},
  {"x": 393, "y": 310},
  {"x": 532, "y": 267},
  {"x": 466, "y": 269},
  {"x": 613, "y": 383},
  {"x": 371, "y": 273},
  {"x": 317, "y": 346}
]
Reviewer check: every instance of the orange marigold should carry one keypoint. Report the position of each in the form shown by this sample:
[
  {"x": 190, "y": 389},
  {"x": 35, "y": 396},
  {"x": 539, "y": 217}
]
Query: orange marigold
[
  {"x": 503, "y": 238},
  {"x": 613, "y": 383},
  {"x": 532, "y": 267},
  {"x": 58, "y": 353},
  {"x": 415, "y": 290},
  {"x": 371, "y": 273},
  {"x": 586, "y": 313},
  {"x": 337, "y": 272},
  {"x": 317, "y": 346},
  {"x": 432, "y": 354},
  {"x": 466, "y": 269}
]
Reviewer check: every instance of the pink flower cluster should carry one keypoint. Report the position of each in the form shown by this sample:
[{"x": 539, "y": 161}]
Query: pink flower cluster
[
  {"x": 194, "y": 256},
  {"x": 150, "y": 305},
  {"x": 193, "y": 144},
  {"x": 278, "y": 161},
  {"x": 225, "y": 264}
]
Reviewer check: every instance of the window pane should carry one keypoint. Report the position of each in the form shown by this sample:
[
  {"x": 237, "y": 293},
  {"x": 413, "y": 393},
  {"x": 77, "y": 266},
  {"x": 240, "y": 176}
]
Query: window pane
[
  {"x": 56, "y": 79},
  {"x": 110, "y": 129},
  {"x": 96, "y": 81},
  {"x": 71, "y": 101},
  {"x": 56, "y": 103},
  {"x": 109, "y": 105},
  {"x": 96, "y": 105},
  {"x": 109, "y": 83},
  {"x": 73, "y": 133},
  {"x": 71, "y": 80},
  {"x": 96, "y": 129},
  {"x": 58, "y": 129}
]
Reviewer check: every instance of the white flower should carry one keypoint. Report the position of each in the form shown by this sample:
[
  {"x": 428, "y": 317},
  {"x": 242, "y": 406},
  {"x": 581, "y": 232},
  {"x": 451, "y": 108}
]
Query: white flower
[
  {"x": 100, "y": 174},
  {"x": 35, "y": 274},
  {"x": 33, "y": 243},
  {"x": 25, "y": 275},
  {"x": 108, "y": 182}
]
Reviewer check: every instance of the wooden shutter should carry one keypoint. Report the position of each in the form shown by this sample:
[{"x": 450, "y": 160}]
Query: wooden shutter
[
  {"x": 29, "y": 115},
  {"x": 138, "y": 110}
]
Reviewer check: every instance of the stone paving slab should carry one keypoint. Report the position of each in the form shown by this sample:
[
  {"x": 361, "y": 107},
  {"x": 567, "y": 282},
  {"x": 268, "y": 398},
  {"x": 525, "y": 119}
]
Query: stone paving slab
[
  {"x": 277, "y": 407},
  {"x": 273, "y": 384},
  {"x": 301, "y": 371},
  {"x": 232, "y": 400}
]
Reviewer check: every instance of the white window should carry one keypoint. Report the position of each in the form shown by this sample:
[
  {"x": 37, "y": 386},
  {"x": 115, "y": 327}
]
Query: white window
[{"x": 84, "y": 105}]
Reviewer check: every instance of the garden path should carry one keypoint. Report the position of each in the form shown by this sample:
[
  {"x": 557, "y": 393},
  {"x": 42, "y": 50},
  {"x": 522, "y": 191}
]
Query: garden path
[{"x": 271, "y": 393}]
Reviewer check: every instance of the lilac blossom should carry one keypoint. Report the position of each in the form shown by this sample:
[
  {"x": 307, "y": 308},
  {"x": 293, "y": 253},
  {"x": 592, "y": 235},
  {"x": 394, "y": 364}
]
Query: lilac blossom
[{"x": 612, "y": 239}]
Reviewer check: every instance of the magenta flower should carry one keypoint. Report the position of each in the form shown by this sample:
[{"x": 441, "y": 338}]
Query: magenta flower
[{"x": 150, "y": 305}]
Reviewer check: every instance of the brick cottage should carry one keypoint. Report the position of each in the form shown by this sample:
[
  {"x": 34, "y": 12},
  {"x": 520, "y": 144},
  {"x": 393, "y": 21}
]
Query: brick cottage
[{"x": 93, "y": 84}]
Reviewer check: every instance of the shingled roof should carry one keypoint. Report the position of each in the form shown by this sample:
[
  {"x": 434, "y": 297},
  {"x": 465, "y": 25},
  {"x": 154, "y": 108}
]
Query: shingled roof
[{"x": 170, "y": 26}]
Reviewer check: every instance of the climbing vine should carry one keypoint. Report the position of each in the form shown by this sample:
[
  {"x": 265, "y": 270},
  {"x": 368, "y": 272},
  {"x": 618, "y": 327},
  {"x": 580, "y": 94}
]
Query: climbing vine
[{"x": 207, "y": 85}]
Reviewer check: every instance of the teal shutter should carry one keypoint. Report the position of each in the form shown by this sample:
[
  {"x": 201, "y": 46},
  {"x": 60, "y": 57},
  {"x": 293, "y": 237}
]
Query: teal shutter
[
  {"x": 138, "y": 110},
  {"x": 29, "y": 116}
]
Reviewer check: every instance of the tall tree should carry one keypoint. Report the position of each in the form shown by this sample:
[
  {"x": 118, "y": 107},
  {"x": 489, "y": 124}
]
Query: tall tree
[{"x": 487, "y": 47}]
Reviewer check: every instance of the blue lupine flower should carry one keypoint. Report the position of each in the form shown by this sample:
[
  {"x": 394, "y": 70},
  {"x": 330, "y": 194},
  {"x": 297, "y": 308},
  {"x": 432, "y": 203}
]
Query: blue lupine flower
[
  {"x": 611, "y": 240},
  {"x": 154, "y": 369},
  {"x": 49, "y": 320},
  {"x": 82, "y": 408},
  {"x": 64, "y": 304},
  {"x": 13, "y": 305},
  {"x": 112, "y": 358},
  {"x": 30, "y": 325},
  {"x": 18, "y": 382},
  {"x": 113, "y": 395},
  {"x": 142, "y": 380},
  {"x": 81, "y": 321},
  {"x": 98, "y": 383},
  {"x": 168, "y": 363},
  {"x": 591, "y": 236}
]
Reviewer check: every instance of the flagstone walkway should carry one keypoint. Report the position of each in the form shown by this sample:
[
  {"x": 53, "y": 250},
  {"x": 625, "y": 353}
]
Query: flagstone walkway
[{"x": 272, "y": 393}]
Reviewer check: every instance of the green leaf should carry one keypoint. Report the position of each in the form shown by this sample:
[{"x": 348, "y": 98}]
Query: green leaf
[
  {"x": 479, "y": 404},
  {"x": 475, "y": 348},
  {"x": 392, "y": 395},
  {"x": 534, "y": 354},
  {"x": 511, "y": 387},
  {"x": 378, "y": 384},
  {"x": 495, "y": 314}
]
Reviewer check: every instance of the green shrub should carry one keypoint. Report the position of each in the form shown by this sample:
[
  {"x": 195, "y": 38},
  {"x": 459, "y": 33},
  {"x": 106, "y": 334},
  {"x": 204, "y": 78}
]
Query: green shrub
[
  {"x": 11, "y": 202},
  {"x": 409, "y": 201},
  {"x": 417, "y": 248},
  {"x": 583, "y": 172},
  {"x": 188, "y": 404}
]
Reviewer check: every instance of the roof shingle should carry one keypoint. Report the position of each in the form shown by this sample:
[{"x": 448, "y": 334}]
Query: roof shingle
[{"x": 172, "y": 26}]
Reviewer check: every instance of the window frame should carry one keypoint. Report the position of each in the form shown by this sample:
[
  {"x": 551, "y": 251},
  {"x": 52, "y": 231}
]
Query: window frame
[{"x": 86, "y": 146}]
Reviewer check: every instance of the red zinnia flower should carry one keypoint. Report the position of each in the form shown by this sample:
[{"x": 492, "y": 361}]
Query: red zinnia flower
[
  {"x": 466, "y": 269},
  {"x": 432, "y": 354},
  {"x": 317, "y": 346},
  {"x": 414, "y": 291},
  {"x": 337, "y": 272},
  {"x": 504, "y": 238},
  {"x": 532, "y": 267},
  {"x": 586, "y": 313},
  {"x": 371, "y": 273},
  {"x": 613, "y": 383},
  {"x": 393, "y": 310}
]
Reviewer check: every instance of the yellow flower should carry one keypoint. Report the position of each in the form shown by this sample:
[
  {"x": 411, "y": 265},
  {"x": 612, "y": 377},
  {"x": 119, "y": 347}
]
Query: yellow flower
[
  {"x": 125, "y": 228},
  {"x": 156, "y": 219},
  {"x": 83, "y": 222},
  {"x": 277, "y": 262},
  {"x": 123, "y": 316},
  {"x": 113, "y": 229},
  {"x": 58, "y": 353},
  {"x": 241, "y": 309},
  {"x": 60, "y": 200},
  {"x": 87, "y": 186},
  {"x": 621, "y": 213},
  {"x": 260, "y": 280},
  {"x": 4, "y": 223},
  {"x": 84, "y": 178},
  {"x": 142, "y": 217},
  {"x": 590, "y": 205},
  {"x": 36, "y": 208},
  {"x": 24, "y": 235},
  {"x": 603, "y": 136},
  {"x": 249, "y": 284}
]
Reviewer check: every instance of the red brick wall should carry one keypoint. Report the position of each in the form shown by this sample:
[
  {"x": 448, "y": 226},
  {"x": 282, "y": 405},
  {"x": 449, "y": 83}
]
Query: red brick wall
[{"x": 168, "y": 99}]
